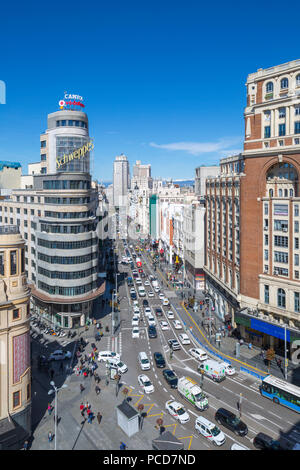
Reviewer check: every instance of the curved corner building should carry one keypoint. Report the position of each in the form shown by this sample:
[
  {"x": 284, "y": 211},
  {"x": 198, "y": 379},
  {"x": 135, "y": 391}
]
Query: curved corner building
[{"x": 58, "y": 217}]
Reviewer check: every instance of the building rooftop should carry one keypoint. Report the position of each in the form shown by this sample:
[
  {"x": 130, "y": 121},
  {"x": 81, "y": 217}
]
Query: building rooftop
[
  {"x": 273, "y": 70},
  {"x": 6, "y": 164}
]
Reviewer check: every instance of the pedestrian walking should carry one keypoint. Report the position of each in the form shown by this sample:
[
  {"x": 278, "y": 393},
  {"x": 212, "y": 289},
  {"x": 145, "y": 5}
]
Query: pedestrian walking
[
  {"x": 99, "y": 417},
  {"x": 26, "y": 445},
  {"x": 49, "y": 409},
  {"x": 88, "y": 406},
  {"x": 123, "y": 446},
  {"x": 81, "y": 388},
  {"x": 50, "y": 436},
  {"x": 90, "y": 417},
  {"x": 97, "y": 390}
]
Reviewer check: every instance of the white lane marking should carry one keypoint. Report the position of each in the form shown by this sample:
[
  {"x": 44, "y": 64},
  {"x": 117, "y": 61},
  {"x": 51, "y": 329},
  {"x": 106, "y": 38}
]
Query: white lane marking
[{"x": 165, "y": 389}]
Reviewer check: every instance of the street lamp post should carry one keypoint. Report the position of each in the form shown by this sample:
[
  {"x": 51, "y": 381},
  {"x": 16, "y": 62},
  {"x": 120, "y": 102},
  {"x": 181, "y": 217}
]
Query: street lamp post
[
  {"x": 55, "y": 390},
  {"x": 285, "y": 355}
]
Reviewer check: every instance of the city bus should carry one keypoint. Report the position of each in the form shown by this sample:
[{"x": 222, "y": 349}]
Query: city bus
[
  {"x": 281, "y": 392},
  {"x": 138, "y": 262}
]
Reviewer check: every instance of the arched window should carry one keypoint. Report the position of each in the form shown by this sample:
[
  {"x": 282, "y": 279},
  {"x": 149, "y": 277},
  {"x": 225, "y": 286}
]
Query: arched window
[
  {"x": 286, "y": 193},
  {"x": 280, "y": 192},
  {"x": 269, "y": 87},
  {"x": 291, "y": 193},
  {"x": 271, "y": 192},
  {"x": 298, "y": 80},
  {"x": 281, "y": 298},
  {"x": 284, "y": 83}
]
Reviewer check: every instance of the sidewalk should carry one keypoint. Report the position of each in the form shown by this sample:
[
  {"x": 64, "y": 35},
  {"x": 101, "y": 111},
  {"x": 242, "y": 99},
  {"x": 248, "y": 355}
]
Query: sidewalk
[{"x": 73, "y": 433}]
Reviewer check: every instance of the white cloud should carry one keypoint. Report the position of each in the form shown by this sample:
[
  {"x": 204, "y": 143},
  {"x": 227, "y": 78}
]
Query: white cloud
[{"x": 198, "y": 148}]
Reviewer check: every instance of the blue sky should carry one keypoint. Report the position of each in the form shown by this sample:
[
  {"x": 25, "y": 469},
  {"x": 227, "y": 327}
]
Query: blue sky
[{"x": 162, "y": 81}]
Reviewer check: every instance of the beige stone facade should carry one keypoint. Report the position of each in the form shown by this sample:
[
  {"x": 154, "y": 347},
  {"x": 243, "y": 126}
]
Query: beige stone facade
[{"x": 15, "y": 369}]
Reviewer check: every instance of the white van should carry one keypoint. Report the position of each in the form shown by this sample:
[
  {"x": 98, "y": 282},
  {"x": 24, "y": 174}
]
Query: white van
[
  {"x": 144, "y": 361},
  {"x": 212, "y": 369},
  {"x": 141, "y": 291}
]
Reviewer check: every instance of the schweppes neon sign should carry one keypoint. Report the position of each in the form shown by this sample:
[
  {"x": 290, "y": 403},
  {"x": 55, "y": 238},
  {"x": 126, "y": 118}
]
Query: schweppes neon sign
[{"x": 76, "y": 155}]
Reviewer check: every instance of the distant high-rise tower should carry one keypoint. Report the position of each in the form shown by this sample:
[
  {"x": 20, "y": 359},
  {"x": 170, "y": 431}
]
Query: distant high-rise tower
[{"x": 121, "y": 181}]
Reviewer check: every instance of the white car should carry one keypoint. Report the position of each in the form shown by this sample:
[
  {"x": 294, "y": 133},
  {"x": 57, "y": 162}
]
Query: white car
[
  {"x": 146, "y": 283},
  {"x": 151, "y": 320},
  {"x": 184, "y": 339},
  {"x": 135, "y": 321},
  {"x": 135, "y": 332},
  {"x": 60, "y": 355},
  {"x": 177, "y": 325},
  {"x": 161, "y": 296},
  {"x": 136, "y": 309},
  {"x": 170, "y": 314},
  {"x": 150, "y": 293},
  {"x": 148, "y": 311},
  {"x": 210, "y": 431},
  {"x": 103, "y": 355},
  {"x": 135, "y": 303},
  {"x": 145, "y": 383},
  {"x": 134, "y": 271},
  {"x": 177, "y": 411},
  {"x": 198, "y": 354},
  {"x": 238, "y": 447},
  {"x": 166, "y": 301},
  {"x": 164, "y": 325},
  {"x": 122, "y": 368},
  {"x": 138, "y": 281},
  {"x": 132, "y": 290},
  {"x": 229, "y": 370},
  {"x": 157, "y": 289}
]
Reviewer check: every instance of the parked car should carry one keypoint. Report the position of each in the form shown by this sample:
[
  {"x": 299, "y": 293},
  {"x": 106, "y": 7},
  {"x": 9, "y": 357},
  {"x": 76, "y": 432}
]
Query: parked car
[
  {"x": 177, "y": 325},
  {"x": 148, "y": 311},
  {"x": 103, "y": 355},
  {"x": 133, "y": 295},
  {"x": 150, "y": 293},
  {"x": 231, "y": 421},
  {"x": 152, "y": 333},
  {"x": 177, "y": 411},
  {"x": 210, "y": 431},
  {"x": 170, "y": 377},
  {"x": 151, "y": 320},
  {"x": 174, "y": 345},
  {"x": 164, "y": 325},
  {"x": 145, "y": 303},
  {"x": 198, "y": 353},
  {"x": 60, "y": 355},
  {"x": 158, "y": 312},
  {"x": 264, "y": 442},
  {"x": 229, "y": 369},
  {"x": 145, "y": 383},
  {"x": 135, "y": 321},
  {"x": 146, "y": 283},
  {"x": 159, "y": 360},
  {"x": 184, "y": 339},
  {"x": 170, "y": 315},
  {"x": 135, "y": 332}
]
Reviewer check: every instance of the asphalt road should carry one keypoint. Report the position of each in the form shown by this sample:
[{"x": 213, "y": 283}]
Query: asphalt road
[{"x": 259, "y": 413}]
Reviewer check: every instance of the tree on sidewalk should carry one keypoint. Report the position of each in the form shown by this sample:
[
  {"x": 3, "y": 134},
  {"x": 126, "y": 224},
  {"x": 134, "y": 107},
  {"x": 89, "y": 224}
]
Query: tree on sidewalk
[{"x": 270, "y": 356}]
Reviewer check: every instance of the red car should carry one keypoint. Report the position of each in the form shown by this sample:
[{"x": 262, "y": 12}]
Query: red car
[{"x": 141, "y": 271}]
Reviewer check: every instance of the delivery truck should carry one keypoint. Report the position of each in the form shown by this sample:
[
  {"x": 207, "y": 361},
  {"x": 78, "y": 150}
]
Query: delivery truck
[
  {"x": 212, "y": 369},
  {"x": 192, "y": 392}
]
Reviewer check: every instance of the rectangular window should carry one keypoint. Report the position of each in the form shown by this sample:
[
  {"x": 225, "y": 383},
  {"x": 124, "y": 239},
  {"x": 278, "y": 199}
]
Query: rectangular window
[
  {"x": 267, "y": 132},
  {"x": 297, "y": 110},
  {"x": 1, "y": 263},
  {"x": 281, "y": 257},
  {"x": 13, "y": 263},
  {"x": 296, "y": 226},
  {"x": 281, "y": 271},
  {"x": 16, "y": 314},
  {"x": 28, "y": 392},
  {"x": 297, "y": 301},
  {"x": 281, "y": 113},
  {"x": 266, "y": 206},
  {"x": 16, "y": 399},
  {"x": 281, "y": 241},
  {"x": 266, "y": 252},
  {"x": 297, "y": 127},
  {"x": 43, "y": 144},
  {"x": 296, "y": 260},
  {"x": 296, "y": 210},
  {"x": 43, "y": 157},
  {"x": 281, "y": 209},
  {"x": 266, "y": 294},
  {"x": 296, "y": 244},
  {"x": 266, "y": 239},
  {"x": 296, "y": 274}
]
